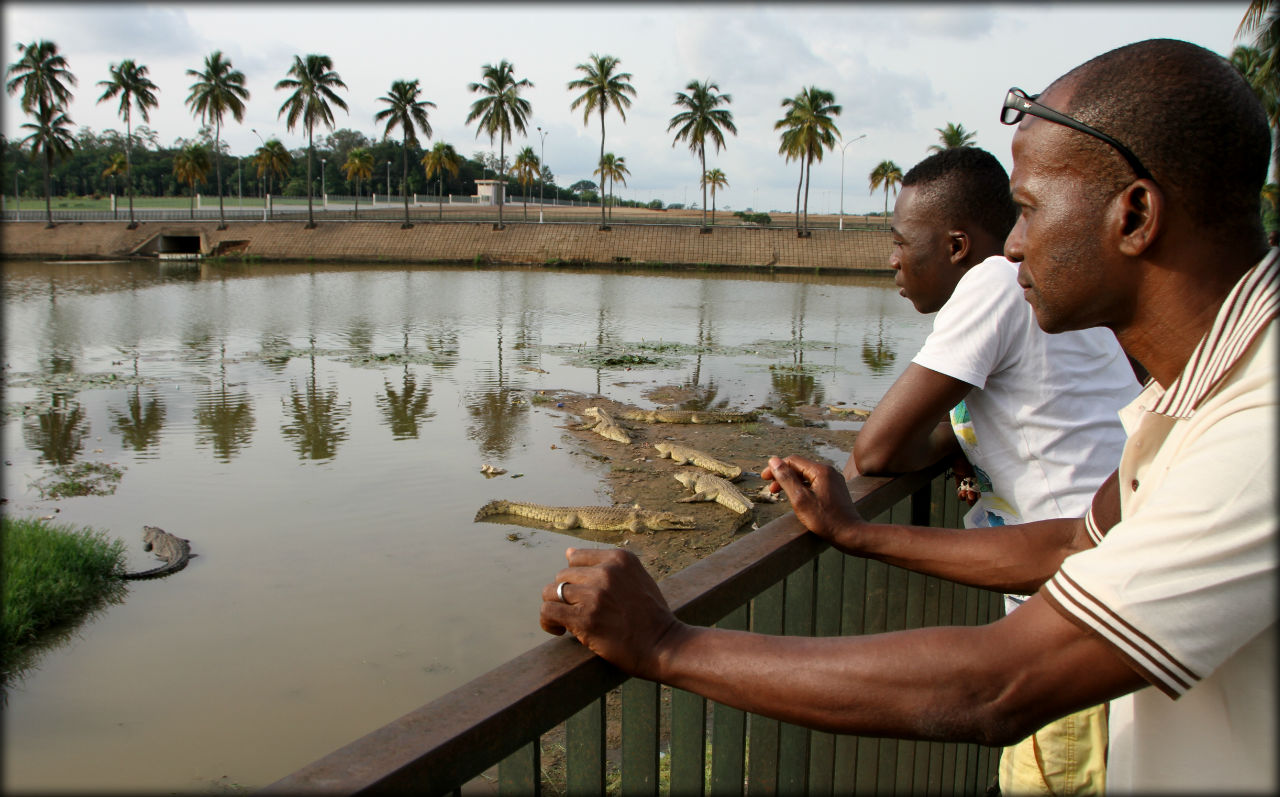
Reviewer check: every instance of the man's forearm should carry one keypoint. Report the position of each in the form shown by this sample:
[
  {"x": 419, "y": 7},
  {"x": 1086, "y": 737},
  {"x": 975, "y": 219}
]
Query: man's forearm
[
  {"x": 1015, "y": 558},
  {"x": 882, "y": 454}
]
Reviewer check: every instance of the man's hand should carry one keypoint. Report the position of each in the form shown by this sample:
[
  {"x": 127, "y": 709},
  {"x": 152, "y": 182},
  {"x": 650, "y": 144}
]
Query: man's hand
[
  {"x": 613, "y": 606},
  {"x": 819, "y": 496}
]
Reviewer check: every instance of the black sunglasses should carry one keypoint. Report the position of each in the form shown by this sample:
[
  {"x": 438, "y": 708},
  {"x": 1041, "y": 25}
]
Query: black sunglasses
[{"x": 1017, "y": 103}]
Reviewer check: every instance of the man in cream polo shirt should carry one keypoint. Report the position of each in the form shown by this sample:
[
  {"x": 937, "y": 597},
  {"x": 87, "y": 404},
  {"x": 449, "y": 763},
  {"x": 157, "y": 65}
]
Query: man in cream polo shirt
[{"x": 1137, "y": 176}]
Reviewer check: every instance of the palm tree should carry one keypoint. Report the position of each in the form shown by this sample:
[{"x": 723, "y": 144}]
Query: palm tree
[
  {"x": 217, "y": 90},
  {"x": 500, "y": 110},
  {"x": 612, "y": 169},
  {"x": 809, "y": 130},
  {"x": 953, "y": 136},
  {"x": 440, "y": 159},
  {"x": 526, "y": 169},
  {"x": 313, "y": 82},
  {"x": 359, "y": 166},
  {"x": 702, "y": 117},
  {"x": 714, "y": 179},
  {"x": 40, "y": 74},
  {"x": 602, "y": 86},
  {"x": 50, "y": 136},
  {"x": 888, "y": 174},
  {"x": 1262, "y": 19},
  {"x": 410, "y": 113},
  {"x": 273, "y": 160},
  {"x": 129, "y": 80},
  {"x": 119, "y": 165},
  {"x": 191, "y": 165}
]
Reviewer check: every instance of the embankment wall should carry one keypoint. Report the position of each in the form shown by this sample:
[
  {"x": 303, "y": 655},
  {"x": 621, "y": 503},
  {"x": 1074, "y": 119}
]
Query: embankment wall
[{"x": 452, "y": 242}]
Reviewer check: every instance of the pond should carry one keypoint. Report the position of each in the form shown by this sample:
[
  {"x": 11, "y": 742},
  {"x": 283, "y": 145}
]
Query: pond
[{"x": 317, "y": 432}]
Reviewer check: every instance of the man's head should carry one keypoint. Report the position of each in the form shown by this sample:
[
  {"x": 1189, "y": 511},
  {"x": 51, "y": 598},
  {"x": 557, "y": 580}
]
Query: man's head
[
  {"x": 953, "y": 212},
  {"x": 1087, "y": 218}
]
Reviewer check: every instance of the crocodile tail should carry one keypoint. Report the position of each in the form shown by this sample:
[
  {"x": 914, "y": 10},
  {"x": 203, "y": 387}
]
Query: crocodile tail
[
  {"x": 497, "y": 507},
  {"x": 157, "y": 572}
]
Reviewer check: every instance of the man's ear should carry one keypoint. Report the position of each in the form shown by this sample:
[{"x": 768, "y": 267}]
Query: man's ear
[
  {"x": 1139, "y": 210},
  {"x": 958, "y": 246}
]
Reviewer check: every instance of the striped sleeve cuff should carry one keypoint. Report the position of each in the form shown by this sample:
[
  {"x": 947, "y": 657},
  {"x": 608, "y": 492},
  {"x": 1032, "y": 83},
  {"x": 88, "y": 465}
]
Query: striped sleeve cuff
[
  {"x": 1144, "y": 655},
  {"x": 1091, "y": 526}
]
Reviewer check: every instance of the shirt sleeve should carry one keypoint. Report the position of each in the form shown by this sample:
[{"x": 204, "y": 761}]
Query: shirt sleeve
[
  {"x": 974, "y": 332},
  {"x": 1190, "y": 578}
]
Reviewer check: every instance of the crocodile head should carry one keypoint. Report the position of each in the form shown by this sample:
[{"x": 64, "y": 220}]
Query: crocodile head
[{"x": 662, "y": 521}]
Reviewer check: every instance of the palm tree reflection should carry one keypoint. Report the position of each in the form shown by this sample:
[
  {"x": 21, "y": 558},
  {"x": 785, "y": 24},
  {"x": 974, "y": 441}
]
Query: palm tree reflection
[
  {"x": 225, "y": 418},
  {"x": 318, "y": 420},
  {"x": 58, "y": 433},
  {"x": 403, "y": 410},
  {"x": 139, "y": 428}
]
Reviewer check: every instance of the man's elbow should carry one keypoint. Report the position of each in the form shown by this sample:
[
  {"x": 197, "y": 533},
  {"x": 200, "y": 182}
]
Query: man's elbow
[{"x": 872, "y": 458}]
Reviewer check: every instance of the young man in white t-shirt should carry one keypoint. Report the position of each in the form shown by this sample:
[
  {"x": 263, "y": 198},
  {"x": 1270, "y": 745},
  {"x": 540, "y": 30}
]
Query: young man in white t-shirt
[{"x": 1033, "y": 417}]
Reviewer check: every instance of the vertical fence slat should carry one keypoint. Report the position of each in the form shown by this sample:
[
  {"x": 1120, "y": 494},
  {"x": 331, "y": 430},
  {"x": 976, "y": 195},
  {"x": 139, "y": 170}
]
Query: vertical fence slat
[
  {"x": 728, "y": 730},
  {"x": 640, "y": 708},
  {"x": 826, "y": 622},
  {"x": 762, "y": 770},
  {"x": 519, "y": 773},
  {"x": 688, "y": 743},
  {"x": 851, "y": 624},
  {"x": 793, "y": 740},
  {"x": 585, "y": 751}
]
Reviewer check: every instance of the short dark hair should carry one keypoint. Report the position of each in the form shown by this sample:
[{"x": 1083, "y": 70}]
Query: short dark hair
[
  {"x": 1191, "y": 119},
  {"x": 967, "y": 187}
]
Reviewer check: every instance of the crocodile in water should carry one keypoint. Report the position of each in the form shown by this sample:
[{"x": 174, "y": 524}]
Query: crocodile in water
[
  {"x": 682, "y": 454},
  {"x": 709, "y": 487},
  {"x": 603, "y": 424},
  {"x": 600, "y": 518},
  {"x": 687, "y": 416},
  {"x": 175, "y": 552}
]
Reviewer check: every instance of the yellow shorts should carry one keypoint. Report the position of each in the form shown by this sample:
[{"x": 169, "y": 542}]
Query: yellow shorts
[{"x": 1067, "y": 756}]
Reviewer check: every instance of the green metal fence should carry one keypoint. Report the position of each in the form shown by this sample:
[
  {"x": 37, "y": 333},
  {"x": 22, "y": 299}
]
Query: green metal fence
[{"x": 778, "y": 580}]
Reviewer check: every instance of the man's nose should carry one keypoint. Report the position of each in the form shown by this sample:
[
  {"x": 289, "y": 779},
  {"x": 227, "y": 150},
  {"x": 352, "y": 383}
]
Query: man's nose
[{"x": 1013, "y": 244}]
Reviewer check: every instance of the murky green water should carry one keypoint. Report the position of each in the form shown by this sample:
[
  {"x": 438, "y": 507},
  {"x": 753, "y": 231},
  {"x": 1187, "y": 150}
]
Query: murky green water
[{"x": 317, "y": 433}]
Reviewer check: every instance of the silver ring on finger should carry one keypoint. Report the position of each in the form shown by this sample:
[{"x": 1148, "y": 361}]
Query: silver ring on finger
[{"x": 560, "y": 591}]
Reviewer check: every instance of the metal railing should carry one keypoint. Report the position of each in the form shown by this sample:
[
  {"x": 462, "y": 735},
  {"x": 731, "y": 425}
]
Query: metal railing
[{"x": 779, "y": 579}]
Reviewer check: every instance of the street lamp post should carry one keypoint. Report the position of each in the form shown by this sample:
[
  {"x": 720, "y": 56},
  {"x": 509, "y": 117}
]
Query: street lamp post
[
  {"x": 239, "y": 184},
  {"x": 17, "y": 198},
  {"x": 842, "y": 149},
  {"x": 324, "y": 197},
  {"x": 264, "y": 196},
  {"x": 388, "y": 181},
  {"x": 542, "y": 167}
]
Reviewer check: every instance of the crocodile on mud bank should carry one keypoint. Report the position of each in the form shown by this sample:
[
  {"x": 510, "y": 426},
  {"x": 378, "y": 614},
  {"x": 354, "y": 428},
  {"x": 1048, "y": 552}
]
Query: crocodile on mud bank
[
  {"x": 709, "y": 487},
  {"x": 603, "y": 424},
  {"x": 175, "y": 552},
  {"x": 684, "y": 454},
  {"x": 687, "y": 416},
  {"x": 598, "y": 518}
]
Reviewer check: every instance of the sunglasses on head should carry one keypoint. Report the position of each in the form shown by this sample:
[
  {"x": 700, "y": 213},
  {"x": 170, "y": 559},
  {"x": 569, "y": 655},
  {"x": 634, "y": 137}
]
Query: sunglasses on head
[{"x": 1017, "y": 103}]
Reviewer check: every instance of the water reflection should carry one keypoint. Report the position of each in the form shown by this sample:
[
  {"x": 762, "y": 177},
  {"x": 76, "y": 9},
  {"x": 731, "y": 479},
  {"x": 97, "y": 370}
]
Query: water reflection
[
  {"x": 140, "y": 424},
  {"x": 318, "y": 424},
  {"x": 58, "y": 433},
  {"x": 403, "y": 409},
  {"x": 880, "y": 356}
]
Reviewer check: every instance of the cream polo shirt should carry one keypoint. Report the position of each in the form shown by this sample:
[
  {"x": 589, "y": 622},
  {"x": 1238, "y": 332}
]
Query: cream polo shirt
[{"x": 1184, "y": 585}]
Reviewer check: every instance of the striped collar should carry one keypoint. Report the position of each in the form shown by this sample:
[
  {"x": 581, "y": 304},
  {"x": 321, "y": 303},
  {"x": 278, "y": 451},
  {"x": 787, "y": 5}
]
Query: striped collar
[{"x": 1251, "y": 305}]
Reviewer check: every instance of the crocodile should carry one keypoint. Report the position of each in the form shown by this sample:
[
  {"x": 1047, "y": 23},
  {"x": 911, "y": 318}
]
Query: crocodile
[
  {"x": 687, "y": 416},
  {"x": 682, "y": 454},
  {"x": 599, "y": 518},
  {"x": 709, "y": 487},
  {"x": 856, "y": 412},
  {"x": 174, "y": 550},
  {"x": 603, "y": 424}
]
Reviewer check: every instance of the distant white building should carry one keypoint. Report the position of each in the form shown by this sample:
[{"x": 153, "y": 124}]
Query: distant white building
[{"x": 490, "y": 192}]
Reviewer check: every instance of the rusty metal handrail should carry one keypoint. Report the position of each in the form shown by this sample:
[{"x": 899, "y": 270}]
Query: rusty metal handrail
[{"x": 441, "y": 745}]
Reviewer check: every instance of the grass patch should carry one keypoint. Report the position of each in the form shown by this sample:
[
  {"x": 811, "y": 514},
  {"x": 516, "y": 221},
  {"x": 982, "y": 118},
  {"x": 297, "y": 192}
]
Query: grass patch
[
  {"x": 54, "y": 575},
  {"x": 82, "y": 478}
]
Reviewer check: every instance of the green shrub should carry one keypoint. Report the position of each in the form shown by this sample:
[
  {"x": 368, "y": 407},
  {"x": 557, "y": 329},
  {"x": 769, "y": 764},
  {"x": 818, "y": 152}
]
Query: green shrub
[{"x": 53, "y": 574}]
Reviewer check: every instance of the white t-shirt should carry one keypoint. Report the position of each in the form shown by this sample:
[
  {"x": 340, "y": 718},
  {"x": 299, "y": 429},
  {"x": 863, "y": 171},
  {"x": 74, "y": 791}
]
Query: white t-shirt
[{"x": 1042, "y": 429}]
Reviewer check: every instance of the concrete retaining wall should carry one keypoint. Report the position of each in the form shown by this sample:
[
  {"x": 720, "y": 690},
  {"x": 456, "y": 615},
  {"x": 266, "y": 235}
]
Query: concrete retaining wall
[{"x": 375, "y": 242}]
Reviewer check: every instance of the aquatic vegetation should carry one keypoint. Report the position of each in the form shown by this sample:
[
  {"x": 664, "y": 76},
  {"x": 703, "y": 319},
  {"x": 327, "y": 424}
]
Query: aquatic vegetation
[{"x": 82, "y": 478}]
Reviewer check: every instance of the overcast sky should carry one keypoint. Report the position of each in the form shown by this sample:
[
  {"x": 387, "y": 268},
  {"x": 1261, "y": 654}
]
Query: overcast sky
[{"x": 899, "y": 71}]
